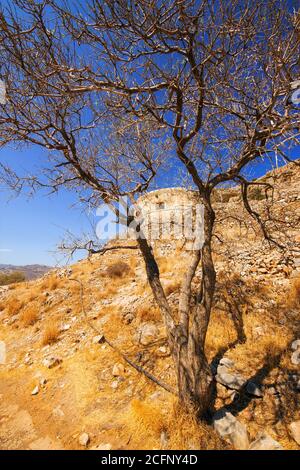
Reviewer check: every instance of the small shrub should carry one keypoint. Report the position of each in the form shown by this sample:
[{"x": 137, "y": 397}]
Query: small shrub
[
  {"x": 51, "y": 333},
  {"x": 29, "y": 316},
  {"x": 117, "y": 270},
  {"x": 11, "y": 278}
]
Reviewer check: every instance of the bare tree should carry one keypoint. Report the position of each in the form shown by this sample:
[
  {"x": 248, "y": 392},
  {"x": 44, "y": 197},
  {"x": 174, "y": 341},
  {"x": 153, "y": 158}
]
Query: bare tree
[{"x": 111, "y": 86}]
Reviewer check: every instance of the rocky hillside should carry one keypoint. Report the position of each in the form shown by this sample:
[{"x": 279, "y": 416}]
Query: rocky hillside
[{"x": 62, "y": 385}]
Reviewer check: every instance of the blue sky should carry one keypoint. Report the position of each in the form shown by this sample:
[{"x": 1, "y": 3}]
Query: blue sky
[{"x": 32, "y": 227}]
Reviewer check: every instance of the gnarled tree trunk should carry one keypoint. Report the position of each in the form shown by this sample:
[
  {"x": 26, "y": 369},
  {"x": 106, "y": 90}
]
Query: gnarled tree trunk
[{"x": 187, "y": 334}]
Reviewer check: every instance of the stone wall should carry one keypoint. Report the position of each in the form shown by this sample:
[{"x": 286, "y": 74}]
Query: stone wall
[{"x": 171, "y": 214}]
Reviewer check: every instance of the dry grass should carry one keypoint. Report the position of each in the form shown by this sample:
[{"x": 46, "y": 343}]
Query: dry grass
[
  {"x": 294, "y": 294},
  {"x": 29, "y": 315},
  {"x": 14, "y": 306},
  {"x": 173, "y": 286},
  {"x": 50, "y": 333},
  {"x": 146, "y": 422},
  {"x": 184, "y": 432},
  {"x": 148, "y": 313},
  {"x": 50, "y": 283}
]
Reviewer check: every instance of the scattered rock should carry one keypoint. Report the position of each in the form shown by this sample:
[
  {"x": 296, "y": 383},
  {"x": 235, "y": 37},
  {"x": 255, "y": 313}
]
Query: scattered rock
[
  {"x": 233, "y": 381},
  {"x": 118, "y": 369},
  {"x": 115, "y": 384},
  {"x": 228, "y": 427},
  {"x": 253, "y": 389},
  {"x": 295, "y": 358},
  {"x": 35, "y": 391},
  {"x": 51, "y": 362},
  {"x": 147, "y": 333},
  {"x": 28, "y": 359},
  {"x": 265, "y": 442},
  {"x": 84, "y": 439},
  {"x": 295, "y": 431},
  {"x": 295, "y": 345},
  {"x": 98, "y": 339},
  {"x": 226, "y": 362},
  {"x": 65, "y": 327}
]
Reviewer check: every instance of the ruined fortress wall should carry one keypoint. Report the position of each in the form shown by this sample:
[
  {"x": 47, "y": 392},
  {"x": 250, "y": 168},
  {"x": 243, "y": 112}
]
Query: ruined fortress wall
[{"x": 169, "y": 214}]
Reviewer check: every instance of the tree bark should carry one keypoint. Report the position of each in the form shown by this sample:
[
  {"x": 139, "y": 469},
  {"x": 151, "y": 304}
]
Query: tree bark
[{"x": 195, "y": 381}]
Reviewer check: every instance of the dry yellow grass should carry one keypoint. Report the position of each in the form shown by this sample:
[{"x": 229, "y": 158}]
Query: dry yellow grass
[
  {"x": 50, "y": 333},
  {"x": 14, "y": 305},
  {"x": 294, "y": 294},
  {"x": 173, "y": 286},
  {"x": 146, "y": 423},
  {"x": 148, "y": 313},
  {"x": 49, "y": 283},
  {"x": 29, "y": 315}
]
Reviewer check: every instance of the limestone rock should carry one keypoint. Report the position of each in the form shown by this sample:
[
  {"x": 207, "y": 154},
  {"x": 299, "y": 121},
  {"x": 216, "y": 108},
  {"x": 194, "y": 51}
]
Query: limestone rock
[
  {"x": 233, "y": 381},
  {"x": 228, "y": 427},
  {"x": 265, "y": 442},
  {"x": 295, "y": 358},
  {"x": 35, "y": 391},
  {"x": 295, "y": 345},
  {"x": 147, "y": 333},
  {"x": 51, "y": 362},
  {"x": 226, "y": 362},
  {"x": 118, "y": 369},
  {"x": 295, "y": 431},
  {"x": 98, "y": 339},
  {"x": 84, "y": 439}
]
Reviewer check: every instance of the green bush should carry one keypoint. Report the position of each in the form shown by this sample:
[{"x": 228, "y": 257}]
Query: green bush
[{"x": 11, "y": 278}]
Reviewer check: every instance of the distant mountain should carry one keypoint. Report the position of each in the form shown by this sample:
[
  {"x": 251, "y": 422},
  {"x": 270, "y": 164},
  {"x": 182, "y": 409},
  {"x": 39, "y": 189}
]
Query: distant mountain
[{"x": 31, "y": 271}]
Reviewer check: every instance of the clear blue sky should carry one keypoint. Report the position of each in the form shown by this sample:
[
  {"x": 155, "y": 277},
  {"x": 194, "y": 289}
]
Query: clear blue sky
[{"x": 32, "y": 227}]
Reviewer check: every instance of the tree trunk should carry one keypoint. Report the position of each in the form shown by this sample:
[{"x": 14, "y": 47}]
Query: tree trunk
[{"x": 195, "y": 381}]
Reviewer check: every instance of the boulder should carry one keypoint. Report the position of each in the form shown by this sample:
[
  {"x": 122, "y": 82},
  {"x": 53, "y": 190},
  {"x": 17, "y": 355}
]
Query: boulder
[
  {"x": 232, "y": 381},
  {"x": 147, "y": 333},
  {"x": 265, "y": 442},
  {"x": 295, "y": 431},
  {"x": 226, "y": 362},
  {"x": 229, "y": 428}
]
